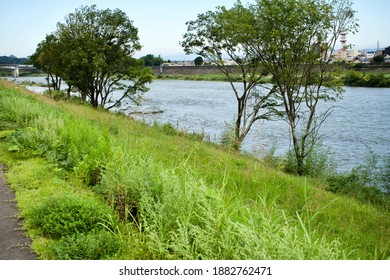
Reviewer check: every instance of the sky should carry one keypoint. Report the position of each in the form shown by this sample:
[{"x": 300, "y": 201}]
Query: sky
[{"x": 160, "y": 23}]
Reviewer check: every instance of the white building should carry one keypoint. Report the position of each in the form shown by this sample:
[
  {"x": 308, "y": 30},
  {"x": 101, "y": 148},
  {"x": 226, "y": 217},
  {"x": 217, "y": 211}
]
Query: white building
[{"x": 370, "y": 54}]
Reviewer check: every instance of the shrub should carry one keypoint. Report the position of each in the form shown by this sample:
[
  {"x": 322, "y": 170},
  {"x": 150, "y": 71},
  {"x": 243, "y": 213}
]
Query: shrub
[
  {"x": 357, "y": 79},
  {"x": 86, "y": 246},
  {"x": 125, "y": 180},
  {"x": 317, "y": 164},
  {"x": 384, "y": 176},
  {"x": 166, "y": 128},
  {"x": 227, "y": 136},
  {"x": 65, "y": 216},
  {"x": 367, "y": 182},
  {"x": 354, "y": 79}
]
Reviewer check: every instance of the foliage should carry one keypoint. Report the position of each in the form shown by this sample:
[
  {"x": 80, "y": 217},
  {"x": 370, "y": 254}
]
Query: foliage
[
  {"x": 354, "y": 79},
  {"x": 193, "y": 200},
  {"x": 227, "y": 137},
  {"x": 230, "y": 32},
  {"x": 190, "y": 220},
  {"x": 92, "y": 51},
  {"x": 358, "y": 79},
  {"x": 97, "y": 245},
  {"x": 198, "y": 61},
  {"x": 318, "y": 164},
  {"x": 64, "y": 216},
  {"x": 123, "y": 189},
  {"x": 368, "y": 182},
  {"x": 378, "y": 58},
  {"x": 293, "y": 41},
  {"x": 151, "y": 60},
  {"x": 47, "y": 58}
]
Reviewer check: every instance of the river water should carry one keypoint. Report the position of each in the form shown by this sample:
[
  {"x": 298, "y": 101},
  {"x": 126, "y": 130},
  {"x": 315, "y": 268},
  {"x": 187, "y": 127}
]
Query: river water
[{"x": 360, "y": 121}]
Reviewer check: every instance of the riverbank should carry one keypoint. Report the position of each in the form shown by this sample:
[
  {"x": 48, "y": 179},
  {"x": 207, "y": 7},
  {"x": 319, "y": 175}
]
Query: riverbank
[
  {"x": 150, "y": 192},
  {"x": 207, "y": 108},
  {"x": 349, "y": 75},
  {"x": 350, "y": 78}
]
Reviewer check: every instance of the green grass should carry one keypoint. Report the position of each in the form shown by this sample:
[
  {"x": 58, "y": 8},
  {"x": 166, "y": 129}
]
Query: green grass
[
  {"x": 165, "y": 195},
  {"x": 237, "y": 78},
  {"x": 204, "y": 77}
]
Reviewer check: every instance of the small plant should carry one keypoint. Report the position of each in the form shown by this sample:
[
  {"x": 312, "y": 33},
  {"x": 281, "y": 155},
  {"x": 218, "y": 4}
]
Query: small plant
[
  {"x": 95, "y": 245},
  {"x": 367, "y": 182},
  {"x": 317, "y": 164},
  {"x": 227, "y": 136},
  {"x": 125, "y": 181},
  {"x": 65, "y": 216}
]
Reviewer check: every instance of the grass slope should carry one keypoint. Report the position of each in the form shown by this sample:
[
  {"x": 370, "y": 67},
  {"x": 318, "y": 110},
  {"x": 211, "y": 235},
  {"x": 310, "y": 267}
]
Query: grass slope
[{"x": 144, "y": 192}]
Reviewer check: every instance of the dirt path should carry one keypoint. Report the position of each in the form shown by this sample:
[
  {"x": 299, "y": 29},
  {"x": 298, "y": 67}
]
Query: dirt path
[{"x": 14, "y": 245}]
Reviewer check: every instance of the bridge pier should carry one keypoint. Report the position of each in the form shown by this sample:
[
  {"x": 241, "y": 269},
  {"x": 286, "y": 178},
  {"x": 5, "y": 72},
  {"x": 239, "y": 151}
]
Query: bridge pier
[{"x": 15, "y": 72}]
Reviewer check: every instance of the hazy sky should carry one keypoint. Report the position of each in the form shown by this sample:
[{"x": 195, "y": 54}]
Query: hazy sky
[{"x": 160, "y": 23}]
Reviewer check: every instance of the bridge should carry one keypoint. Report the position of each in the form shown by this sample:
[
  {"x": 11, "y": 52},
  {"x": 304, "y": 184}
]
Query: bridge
[{"x": 16, "y": 68}]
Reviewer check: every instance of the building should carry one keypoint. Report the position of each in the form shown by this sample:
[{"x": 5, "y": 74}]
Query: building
[
  {"x": 345, "y": 55},
  {"x": 370, "y": 54}
]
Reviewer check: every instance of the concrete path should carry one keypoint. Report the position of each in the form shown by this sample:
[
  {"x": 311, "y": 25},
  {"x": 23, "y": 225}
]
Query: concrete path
[{"x": 14, "y": 245}]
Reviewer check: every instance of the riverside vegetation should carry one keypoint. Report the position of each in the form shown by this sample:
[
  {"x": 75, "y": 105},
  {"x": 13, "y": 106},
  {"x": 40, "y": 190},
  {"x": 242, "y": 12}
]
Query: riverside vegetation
[
  {"x": 91, "y": 184},
  {"x": 351, "y": 78}
]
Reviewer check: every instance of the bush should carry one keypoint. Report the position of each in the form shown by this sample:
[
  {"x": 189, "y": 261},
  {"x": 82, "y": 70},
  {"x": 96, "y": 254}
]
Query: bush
[
  {"x": 166, "y": 128},
  {"x": 317, "y": 164},
  {"x": 86, "y": 246},
  {"x": 357, "y": 79},
  {"x": 227, "y": 137},
  {"x": 367, "y": 182},
  {"x": 354, "y": 79},
  {"x": 125, "y": 180},
  {"x": 65, "y": 216}
]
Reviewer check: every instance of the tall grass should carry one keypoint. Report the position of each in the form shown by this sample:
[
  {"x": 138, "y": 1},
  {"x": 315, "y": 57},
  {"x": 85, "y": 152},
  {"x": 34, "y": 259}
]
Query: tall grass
[{"x": 172, "y": 197}]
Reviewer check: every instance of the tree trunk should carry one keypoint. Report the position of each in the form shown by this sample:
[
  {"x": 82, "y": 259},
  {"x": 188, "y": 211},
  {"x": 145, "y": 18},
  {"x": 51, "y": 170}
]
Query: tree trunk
[{"x": 237, "y": 128}]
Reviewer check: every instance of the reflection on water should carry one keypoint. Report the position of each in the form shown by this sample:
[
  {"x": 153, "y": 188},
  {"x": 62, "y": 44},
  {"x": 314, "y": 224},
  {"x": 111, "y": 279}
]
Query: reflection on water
[{"x": 360, "y": 121}]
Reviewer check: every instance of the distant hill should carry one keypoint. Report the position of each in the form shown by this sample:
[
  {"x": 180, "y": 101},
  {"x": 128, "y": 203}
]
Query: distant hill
[{"x": 12, "y": 59}]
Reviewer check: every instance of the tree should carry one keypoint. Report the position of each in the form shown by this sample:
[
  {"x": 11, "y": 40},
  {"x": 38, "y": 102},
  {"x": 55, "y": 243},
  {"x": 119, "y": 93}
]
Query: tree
[
  {"x": 295, "y": 38},
  {"x": 378, "y": 59},
  {"x": 46, "y": 59},
  {"x": 198, "y": 61},
  {"x": 97, "y": 48},
  {"x": 151, "y": 60},
  {"x": 228, "y": 32}
]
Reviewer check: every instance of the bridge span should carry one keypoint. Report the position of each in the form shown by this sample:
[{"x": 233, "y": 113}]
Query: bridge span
[{"x": 15, "y": 68}]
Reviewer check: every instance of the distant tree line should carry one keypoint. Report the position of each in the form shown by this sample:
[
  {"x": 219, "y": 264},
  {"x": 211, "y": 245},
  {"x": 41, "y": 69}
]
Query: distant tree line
[
  {"x": 151, "y": 60},
  {"x": 359, "y": 79},
  {"x": 12, "y": 60}
]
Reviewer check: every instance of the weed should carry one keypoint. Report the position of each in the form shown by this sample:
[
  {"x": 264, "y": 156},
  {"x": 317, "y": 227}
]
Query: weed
[
  {"x": 173, "y": 197},
  {"x": 65, "y": 216},
  {"x": 95, "y": 245}
]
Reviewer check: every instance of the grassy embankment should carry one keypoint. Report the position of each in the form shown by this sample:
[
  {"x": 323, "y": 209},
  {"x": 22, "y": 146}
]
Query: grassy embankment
[{"x": 94, "y": 185}]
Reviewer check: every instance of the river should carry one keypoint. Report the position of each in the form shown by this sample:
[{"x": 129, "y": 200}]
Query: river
[{"x": 360, "y": 121}]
